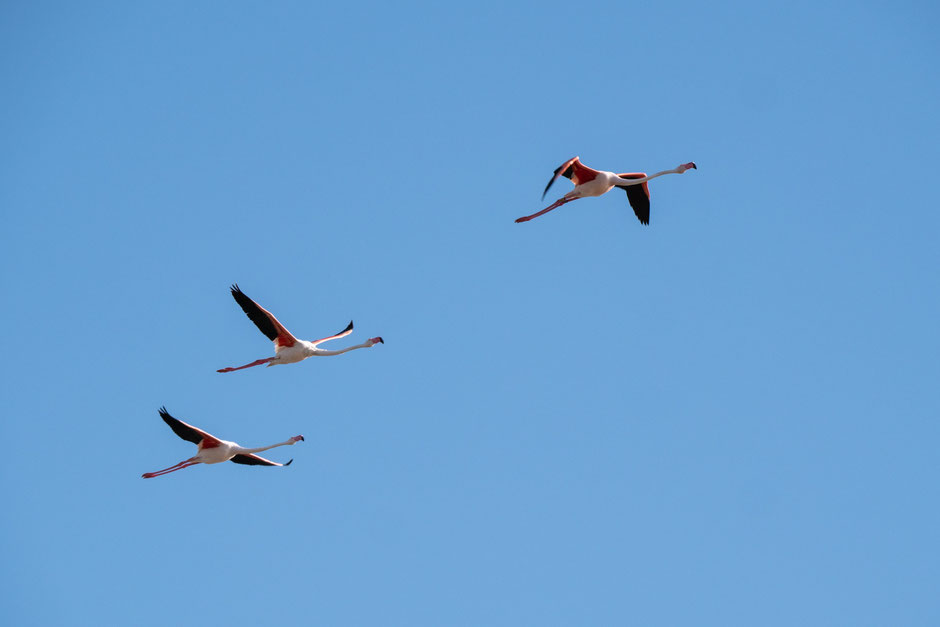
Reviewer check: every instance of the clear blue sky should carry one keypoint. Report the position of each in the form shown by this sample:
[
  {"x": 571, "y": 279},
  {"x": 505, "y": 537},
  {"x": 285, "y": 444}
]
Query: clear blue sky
[{"x": 729, "y": 417}]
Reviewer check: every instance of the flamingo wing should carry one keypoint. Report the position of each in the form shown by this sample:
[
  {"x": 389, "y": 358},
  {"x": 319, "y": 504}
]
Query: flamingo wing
[
  {"x": 639, "y": 196},
  {"x": 189, "y": 432},
  {"x": 263, "y": 319},
  {"x": 572, "y": 169},
  {"x": 343, "y": 333},
  {"x": 250, "y": 459}
]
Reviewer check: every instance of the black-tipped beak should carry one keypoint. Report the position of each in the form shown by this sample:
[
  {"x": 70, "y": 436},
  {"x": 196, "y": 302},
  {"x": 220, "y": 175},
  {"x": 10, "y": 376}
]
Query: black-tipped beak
[
  {"x": 302, "y": 439},
  {"x": 694, "y": 167}
]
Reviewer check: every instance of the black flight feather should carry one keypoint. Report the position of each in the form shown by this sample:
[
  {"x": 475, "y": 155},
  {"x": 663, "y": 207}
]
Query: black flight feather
[
  {"x": 555, "y": 175},
  {"x": 254, "y": 314},
  {"x": 254, "y": 460},
  {"x": 181, "y": 428},
  {"x": 639, "y": 201}
]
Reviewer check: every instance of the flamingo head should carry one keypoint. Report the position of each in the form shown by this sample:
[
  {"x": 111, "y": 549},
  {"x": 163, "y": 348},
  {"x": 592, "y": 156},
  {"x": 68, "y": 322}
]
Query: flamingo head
[
  {"x": 376, "y": 340},
  {"x": 297, "y": 438},
  {"x": 687, "y": 166}
]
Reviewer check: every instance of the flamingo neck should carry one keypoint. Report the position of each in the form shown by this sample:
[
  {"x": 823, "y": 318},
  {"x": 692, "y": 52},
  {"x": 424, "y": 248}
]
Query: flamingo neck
[
  {"x": 622, "y": 182},
  {"x": 245, "y": 451},
  {"x": 341, "y": 351}
]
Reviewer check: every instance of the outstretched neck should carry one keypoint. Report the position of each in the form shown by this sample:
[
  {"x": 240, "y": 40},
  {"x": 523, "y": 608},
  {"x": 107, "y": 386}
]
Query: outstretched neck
[
  {"x": 344, "y": 350},
  {"x": 244, "y": 451},
  {"x": 624, "y": 182}
]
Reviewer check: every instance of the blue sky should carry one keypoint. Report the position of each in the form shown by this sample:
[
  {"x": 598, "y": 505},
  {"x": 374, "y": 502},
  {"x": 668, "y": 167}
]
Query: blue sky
[{"x": 726, "y": 418}]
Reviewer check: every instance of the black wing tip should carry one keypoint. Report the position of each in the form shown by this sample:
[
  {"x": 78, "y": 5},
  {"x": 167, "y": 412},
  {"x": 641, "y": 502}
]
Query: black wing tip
[
  {"x": 639, "y": 202},
  {"x": 254, "y": 312},
  {"x": 237, "y": 293},
  {"x": 289, "y": 462},
  {"x": 557, "y": 172},
  {"x": 349, "y": 327},
  {"x": 164, "y": 413}
]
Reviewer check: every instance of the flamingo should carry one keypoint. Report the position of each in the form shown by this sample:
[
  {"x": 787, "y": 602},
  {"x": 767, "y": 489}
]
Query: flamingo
[
  {"x": 212, "y": 450},
  {"x": 590, "y": 182},
  {"x": 288, "y": 348}
]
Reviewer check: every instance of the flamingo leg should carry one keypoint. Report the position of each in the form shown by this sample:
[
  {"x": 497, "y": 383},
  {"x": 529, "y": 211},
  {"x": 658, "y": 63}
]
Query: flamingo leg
[
  {"x": 179, "y": 466},
  {"x": 254, "y": 363},
  {"x": 555, "y": 205}
]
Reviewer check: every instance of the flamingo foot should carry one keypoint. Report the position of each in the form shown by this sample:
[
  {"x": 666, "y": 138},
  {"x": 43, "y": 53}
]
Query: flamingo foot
[
  {"x": 558, "y": 203},
  {"x": 252, "y": 364},
  {"x": 166, "y": 471}
]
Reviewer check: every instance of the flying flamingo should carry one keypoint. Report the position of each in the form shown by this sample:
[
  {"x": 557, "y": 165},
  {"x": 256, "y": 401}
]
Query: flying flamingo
[
  {"x": 590, "y": 182},
  {"x": 213, "y": 450},
  {"x": 288, "y": 348}
]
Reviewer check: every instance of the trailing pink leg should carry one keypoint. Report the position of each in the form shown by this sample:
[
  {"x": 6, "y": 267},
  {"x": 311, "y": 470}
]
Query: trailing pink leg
[
  {"x": 557, "y": 203},
  {"x": 179, "y": 466},
  {"x": 254, "y": 363}
]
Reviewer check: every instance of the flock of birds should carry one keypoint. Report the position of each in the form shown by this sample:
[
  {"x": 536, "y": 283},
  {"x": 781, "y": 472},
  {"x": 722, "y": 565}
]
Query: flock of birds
[{"x": 289, "y": 350}]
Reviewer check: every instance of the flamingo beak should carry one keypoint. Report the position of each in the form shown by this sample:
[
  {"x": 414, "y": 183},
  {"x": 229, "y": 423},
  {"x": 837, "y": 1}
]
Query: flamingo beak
[
  {"x": 298, "y": 438},
  {"x": 691, "y": 164},
  {"x": 378, "y": 340}
]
